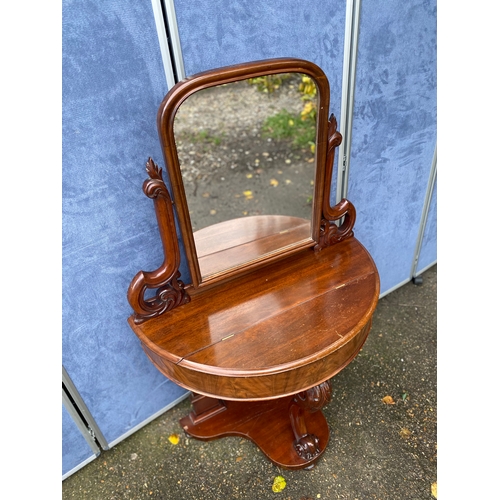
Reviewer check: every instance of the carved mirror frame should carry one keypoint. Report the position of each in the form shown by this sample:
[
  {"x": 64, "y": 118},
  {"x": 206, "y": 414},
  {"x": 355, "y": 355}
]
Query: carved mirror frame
[{"x": 324, "y": 227}]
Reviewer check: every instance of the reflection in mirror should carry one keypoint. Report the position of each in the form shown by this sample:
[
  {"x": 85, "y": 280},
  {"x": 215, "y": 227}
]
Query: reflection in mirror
[{"x": 247, "y": 150}]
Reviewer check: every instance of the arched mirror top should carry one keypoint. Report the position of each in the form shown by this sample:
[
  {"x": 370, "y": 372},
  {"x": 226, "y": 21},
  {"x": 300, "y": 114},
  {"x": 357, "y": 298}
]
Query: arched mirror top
[{"x": 229, "y": 74}]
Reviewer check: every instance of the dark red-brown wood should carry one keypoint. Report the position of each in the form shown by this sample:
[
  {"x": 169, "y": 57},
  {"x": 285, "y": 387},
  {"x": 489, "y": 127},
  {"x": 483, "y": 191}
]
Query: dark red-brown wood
[{"x": 257, "y": 342}]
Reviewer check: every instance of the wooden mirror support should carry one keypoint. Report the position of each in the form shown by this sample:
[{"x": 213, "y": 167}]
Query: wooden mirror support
[{"x": 258, "y": 346}]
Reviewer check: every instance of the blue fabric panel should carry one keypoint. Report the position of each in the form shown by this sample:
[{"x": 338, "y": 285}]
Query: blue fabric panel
[
  {"x": 113, "y": 83},
  {"x": 394, "y": 130},
  {"x": 428, "y": 252},
  {"x": 75, "y": 449}
]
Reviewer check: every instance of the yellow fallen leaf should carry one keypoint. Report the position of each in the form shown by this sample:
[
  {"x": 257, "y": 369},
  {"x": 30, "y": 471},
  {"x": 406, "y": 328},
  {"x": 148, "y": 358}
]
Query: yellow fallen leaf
[
  {"x": 313, "y": 148},
  {"x": 273, "y": 182},
  {"x": 174, "y": 438},
  {"x": 249, "y": 176},
  {"x": 290, "y": 123},
  {"x": 434, "y": 490},
  {"x": 279, "y": 484},
  {"x": 388, "y": 400},
  {"x": 248, "y": 194},
  {"x": 213, "y": 212}
]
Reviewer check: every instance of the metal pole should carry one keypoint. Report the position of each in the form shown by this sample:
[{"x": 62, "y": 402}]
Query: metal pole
[
  {"x": 77, "y": 407},
  {"x": 425, "y": 213},
  {"x": 353, "y": 8},
  {"x": 163, "y": 41}
]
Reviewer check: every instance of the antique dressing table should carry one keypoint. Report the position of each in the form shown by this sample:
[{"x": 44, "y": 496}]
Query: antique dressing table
[{"x": 277, "y": 303}]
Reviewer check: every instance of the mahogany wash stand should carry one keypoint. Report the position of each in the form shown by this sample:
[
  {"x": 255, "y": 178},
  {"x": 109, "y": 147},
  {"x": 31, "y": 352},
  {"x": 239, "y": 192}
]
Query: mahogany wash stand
[{"x": 258, "y": 340}]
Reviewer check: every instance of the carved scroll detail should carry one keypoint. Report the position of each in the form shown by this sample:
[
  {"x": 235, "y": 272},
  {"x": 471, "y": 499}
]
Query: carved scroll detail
[
  {"x": 330, "y": 232},
  {"x": 170, "y": 291},
  {"x": 307, "y": 445}
]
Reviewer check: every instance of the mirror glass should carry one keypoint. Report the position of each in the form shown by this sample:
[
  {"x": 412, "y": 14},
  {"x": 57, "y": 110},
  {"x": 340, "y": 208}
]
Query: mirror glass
[{"x": 247, "y": 157}]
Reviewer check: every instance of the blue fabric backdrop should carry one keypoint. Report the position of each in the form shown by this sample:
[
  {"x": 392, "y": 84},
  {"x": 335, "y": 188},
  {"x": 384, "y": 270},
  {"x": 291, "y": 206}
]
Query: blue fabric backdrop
[
  {"x": 394, "y": 130},
  {"x": 113, "y": 83}
]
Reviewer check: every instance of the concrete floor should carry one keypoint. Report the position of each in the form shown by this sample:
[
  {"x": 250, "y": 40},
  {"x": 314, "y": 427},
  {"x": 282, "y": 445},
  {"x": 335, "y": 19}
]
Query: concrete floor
[{"x": 376, "y": 450}]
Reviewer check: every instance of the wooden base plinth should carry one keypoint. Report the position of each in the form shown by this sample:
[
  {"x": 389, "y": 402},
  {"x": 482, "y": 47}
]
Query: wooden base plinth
[{"x": 266, "y": 423}]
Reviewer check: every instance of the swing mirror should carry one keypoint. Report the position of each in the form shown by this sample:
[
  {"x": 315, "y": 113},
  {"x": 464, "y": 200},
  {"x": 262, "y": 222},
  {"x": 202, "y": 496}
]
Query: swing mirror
[{"x": 245, "y": 149}]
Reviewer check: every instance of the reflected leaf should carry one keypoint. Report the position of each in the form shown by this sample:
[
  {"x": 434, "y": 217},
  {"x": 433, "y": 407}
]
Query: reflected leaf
[{"x": 308, "y": 108}]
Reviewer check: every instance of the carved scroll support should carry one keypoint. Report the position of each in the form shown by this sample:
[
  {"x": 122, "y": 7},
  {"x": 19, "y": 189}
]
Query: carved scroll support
[
  {"x": 170, "y": 291},
  {"x": 307, "y": 445},
  {"x": 330, "y": 231}
]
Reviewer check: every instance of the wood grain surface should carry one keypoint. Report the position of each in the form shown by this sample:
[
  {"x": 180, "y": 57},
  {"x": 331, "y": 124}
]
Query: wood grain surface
[{"x": 278, "y": 331}]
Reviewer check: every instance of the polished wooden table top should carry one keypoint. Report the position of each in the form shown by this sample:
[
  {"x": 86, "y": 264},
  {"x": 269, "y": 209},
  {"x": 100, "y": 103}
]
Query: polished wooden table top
[{"x": 274, "y": 332}]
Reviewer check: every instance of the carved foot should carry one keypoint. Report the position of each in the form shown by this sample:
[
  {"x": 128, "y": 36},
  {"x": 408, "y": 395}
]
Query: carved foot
[{"x": 307, "y": 445}]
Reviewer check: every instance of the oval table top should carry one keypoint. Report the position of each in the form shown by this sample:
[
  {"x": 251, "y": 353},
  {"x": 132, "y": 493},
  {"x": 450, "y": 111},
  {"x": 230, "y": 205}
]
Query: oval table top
[{"x": 274, "y": 332}]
